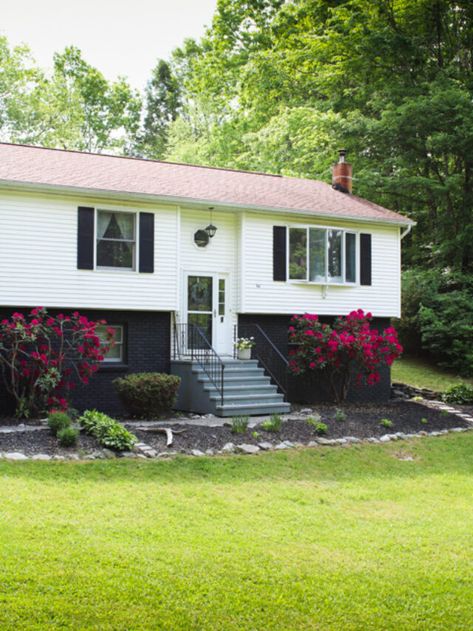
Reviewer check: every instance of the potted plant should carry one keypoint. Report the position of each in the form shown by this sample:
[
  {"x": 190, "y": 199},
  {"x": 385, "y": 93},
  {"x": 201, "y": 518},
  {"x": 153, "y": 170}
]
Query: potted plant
[{"x": 244, "y": 346}]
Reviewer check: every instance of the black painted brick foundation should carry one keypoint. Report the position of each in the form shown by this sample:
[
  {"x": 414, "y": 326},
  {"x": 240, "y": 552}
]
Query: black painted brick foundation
[
  {"x": 314, "y": 387},
  {"x": 147, "y": 341}
]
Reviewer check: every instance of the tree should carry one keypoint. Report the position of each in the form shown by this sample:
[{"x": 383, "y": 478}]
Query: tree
[{"x": 162, "y": 102}]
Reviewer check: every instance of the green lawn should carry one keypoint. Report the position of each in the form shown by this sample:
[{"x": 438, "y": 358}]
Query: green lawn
[
  {"x": 424, "y": 374},
  {"x": 329, "y": 538}
]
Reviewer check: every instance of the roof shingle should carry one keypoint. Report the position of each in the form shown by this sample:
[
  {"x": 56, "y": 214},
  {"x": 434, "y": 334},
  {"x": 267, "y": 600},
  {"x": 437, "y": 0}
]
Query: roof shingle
[{"x": 22, "y": 164}]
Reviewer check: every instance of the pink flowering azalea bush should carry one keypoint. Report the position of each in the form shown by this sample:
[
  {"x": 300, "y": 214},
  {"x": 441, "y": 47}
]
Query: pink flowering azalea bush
[
  {"x": 348, "y": 348},
  {"x": 43, "y": 357}
]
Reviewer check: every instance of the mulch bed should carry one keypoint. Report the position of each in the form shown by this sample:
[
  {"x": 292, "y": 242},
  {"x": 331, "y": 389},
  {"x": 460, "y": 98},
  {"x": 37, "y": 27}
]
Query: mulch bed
[
  {"x": 43, "y": 442},
  {"x": 363, "y": 421}
]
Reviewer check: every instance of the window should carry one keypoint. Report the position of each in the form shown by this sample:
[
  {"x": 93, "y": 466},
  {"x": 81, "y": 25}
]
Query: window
[
  {"x": 221, "y": 297},
  {"x": 116, "y": 354},
  {"x": 116, "y": 239},
  {"x": 322, "y": 255}
]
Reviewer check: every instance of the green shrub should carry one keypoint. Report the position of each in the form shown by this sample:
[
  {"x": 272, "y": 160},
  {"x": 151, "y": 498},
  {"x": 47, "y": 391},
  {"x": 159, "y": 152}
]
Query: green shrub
[
  {"x": 340, "y": 415},
  {"x": 109, "y": 432},
  {"x": 239, "y": 424},
  {"x": 424, "y": 421},
  {"x": 437, "y": 317},
  {"x": 385, "y": 422},
  {"x": 461, "y": 394},
  {"x": 58, "y": 421},
  {"x": 147, "y": 394},
  {"x": 316, "y": 423},
  {"x": 313, "y": 420},
  {"x": 67, "y": 436},
  {"x": 272, "y": 424}
]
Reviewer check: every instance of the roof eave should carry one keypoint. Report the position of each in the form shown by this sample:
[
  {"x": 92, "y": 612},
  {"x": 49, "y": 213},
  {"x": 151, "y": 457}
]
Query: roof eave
[{"x": 175, "y": 200}]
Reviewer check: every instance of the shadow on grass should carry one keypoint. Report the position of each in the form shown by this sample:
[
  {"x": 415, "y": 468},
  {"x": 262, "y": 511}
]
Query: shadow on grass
[{"x": 447, "y": 454}]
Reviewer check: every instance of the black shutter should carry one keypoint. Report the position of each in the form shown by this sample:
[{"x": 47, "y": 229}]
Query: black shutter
[
  {"x": 279, "y": 253},
  {"x": 146, "y": 263},
  {"x": 365, "y": 259},
  {"x": 85, "y": 238}
]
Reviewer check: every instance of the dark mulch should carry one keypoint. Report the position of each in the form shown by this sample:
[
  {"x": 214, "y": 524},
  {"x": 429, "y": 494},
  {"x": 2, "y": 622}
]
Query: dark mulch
[
  {"x": 363, "y": 421},
  {"x": 43, "y": 442}
]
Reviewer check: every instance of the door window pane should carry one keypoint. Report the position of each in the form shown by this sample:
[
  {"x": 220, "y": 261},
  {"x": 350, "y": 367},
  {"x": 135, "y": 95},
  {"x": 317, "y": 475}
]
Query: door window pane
[
  {"x": 199, "y": 293},
  {"x": 335, "y": 256},
  {"x": 221, "y": 296},
  {"x": 350, "y": 257},
  {"x": 317, "y": 250},
  {"x": 298, "y": 253}
]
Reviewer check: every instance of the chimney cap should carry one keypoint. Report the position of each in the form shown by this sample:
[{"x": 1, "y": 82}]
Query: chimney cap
[{"x": 342, "y": 155}]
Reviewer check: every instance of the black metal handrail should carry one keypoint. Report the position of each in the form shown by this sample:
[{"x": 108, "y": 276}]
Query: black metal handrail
[
  {"x": 267, "y": 353},
  {"x": 191, "y": 341}
]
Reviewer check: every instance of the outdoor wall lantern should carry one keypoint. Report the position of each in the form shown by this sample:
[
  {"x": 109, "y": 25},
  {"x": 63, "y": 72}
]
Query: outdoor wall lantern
[{"x": 211, "y": 229}]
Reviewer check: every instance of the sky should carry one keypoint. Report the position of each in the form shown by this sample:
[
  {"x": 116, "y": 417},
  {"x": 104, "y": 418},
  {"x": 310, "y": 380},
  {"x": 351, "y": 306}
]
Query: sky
[{"x": 119, "y": 37}]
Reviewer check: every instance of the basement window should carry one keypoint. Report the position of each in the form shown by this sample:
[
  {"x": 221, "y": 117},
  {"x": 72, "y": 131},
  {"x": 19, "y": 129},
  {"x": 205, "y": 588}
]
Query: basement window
[{"x": 116, "y": 354}]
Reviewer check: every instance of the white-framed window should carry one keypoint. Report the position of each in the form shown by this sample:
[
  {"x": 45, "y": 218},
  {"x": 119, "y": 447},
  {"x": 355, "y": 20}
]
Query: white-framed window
[
  {"x": 322, "y": 255},
  {"x": 116, "y": 240},
  {"x": 116, "y": 354}
]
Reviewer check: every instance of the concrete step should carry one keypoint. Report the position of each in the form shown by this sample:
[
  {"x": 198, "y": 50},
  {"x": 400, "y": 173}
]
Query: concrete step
[
  {"x": 252, "y": 409},
  {"x": 264, "y": 388},
  {"x": 241, "y": 380},
  {"x": 230, "y": 369},
  {"x": 271, "y": 397}
]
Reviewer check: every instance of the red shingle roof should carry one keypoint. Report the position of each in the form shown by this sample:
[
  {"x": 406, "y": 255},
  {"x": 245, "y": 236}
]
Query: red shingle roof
[{"x": 23, "y": 164}]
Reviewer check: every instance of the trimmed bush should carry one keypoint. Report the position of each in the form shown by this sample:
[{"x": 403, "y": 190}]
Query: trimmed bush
[
  {"x": 461, "y": 394},
  {"x": 67, "y": 436},
  {"x": 147, "y": 394},
  {"x": 109, "y": 432},
  {"x": 58, "y": 421}
]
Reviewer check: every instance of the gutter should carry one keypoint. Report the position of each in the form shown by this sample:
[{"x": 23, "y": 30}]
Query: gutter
[
  {"x": 406, "y": 231},
  {"x": 57, "y": 189}
]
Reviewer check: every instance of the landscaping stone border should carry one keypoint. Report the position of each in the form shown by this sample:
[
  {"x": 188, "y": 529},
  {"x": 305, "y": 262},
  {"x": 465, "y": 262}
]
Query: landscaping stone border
[{"x": 145, "y": 451}]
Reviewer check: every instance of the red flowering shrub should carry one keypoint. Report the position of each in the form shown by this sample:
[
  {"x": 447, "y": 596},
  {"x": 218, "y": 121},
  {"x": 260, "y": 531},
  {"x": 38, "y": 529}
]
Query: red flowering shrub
[
  {"x": 42, "y": 357},
  {"x": 348, "y": 348}
]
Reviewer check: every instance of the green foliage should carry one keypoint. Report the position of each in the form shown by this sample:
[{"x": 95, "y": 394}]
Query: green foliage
[
  {"x": 58, "y": 421},
  {"x": 67, "y": 436},
  {"x": 272, "y": 424},
  {"x": 255, "y": 435},
  {"x": 461, "y": 394},
  {"x": 316, "y": 423},
  {"x": 239, "y": 424},
  {"x": 340, "y": 415},
  {"x": 162, "y": 102},
  {"x": 424, "y": 421},
  {"x": 438, "y": 317},
  {"x": 107, "y": 431},
  {"x": 385, "y": 422},
  {"x": 148, "y": 394}
]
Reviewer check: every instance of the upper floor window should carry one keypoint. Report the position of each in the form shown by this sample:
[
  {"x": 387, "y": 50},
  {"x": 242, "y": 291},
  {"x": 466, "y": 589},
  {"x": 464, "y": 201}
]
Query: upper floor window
[
  {"x": 116, "y": 239},
  {"x": 322, "y": 255}
]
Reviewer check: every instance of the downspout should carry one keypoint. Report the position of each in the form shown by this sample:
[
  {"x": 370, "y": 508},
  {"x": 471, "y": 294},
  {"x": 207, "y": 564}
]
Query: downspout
[{"x": 406, "y": 231}]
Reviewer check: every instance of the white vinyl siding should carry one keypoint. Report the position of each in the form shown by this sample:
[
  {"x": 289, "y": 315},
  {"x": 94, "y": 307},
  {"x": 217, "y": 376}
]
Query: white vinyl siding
[
  {"x": 260, "y": 294},
  {"x": 38, "y": 258}
]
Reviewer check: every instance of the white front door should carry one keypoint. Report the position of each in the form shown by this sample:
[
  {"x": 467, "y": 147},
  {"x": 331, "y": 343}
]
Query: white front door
[{"x": 207, "y": 307}]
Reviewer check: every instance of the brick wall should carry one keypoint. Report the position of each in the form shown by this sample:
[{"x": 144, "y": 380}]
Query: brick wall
[
  {"x": 314, "y": 387},
  {"x": 147, "y": 338}
]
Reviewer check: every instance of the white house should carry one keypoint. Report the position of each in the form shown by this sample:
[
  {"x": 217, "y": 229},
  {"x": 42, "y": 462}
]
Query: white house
[{"x": 181, "y": 258}]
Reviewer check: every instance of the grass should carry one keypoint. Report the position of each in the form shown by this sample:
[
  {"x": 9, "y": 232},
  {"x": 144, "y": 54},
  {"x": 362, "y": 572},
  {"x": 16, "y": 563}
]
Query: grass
[
  {"x": 370, "y": 537},
  {"x": 421, "y": 373}
]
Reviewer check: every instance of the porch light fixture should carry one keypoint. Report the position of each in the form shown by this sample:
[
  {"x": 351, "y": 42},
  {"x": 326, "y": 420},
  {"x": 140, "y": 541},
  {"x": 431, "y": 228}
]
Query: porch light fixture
[{"x": 211, "y": 229}]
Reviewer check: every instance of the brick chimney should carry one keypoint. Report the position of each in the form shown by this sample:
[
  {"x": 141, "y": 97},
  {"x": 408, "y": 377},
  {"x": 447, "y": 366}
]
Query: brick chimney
[{"x": 342, "y": 174}]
